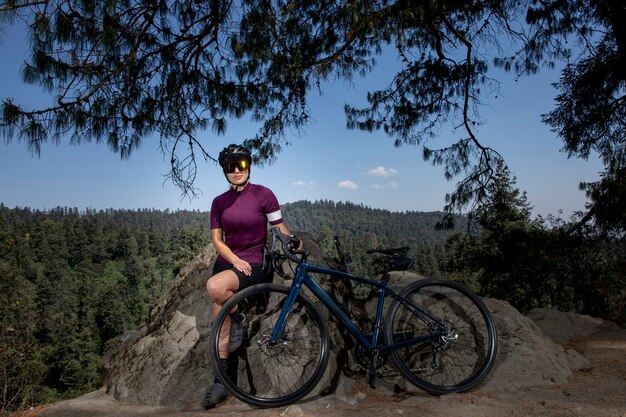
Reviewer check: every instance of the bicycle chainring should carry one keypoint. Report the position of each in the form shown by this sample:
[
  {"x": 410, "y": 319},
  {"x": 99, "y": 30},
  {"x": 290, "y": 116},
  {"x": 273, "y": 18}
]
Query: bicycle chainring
[{"x": 364, "y": 358}]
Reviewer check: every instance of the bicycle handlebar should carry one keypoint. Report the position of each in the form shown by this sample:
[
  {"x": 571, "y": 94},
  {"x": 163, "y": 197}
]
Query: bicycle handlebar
[{"x": 289, "y": 244}]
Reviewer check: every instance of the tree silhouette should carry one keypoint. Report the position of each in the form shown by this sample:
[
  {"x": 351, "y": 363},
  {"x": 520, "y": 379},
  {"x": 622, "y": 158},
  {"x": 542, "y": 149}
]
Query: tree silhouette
[{"x": 122, "y": 71}]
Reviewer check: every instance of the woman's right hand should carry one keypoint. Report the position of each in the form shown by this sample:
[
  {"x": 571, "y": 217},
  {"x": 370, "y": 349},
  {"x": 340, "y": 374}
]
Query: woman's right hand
[{"x": 242, "y": 266}]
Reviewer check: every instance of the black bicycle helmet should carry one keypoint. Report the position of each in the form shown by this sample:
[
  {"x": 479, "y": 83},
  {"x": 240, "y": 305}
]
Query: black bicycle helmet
[{"x": 234, "y": 153}]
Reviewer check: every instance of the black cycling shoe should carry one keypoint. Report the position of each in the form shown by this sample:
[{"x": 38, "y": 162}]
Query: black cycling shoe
[
  {"x": 238, "y": 331},
  {"x": 216, "y": 395}
]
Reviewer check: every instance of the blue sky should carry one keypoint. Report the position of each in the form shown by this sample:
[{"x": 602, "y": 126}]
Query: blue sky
[{"x": 327, "y": 161}]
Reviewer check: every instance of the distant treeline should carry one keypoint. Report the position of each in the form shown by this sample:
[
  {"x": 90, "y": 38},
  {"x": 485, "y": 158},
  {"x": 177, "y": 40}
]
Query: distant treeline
[
  {"x": 360, "y": 228},
  {"x": 362, "y": 222}
]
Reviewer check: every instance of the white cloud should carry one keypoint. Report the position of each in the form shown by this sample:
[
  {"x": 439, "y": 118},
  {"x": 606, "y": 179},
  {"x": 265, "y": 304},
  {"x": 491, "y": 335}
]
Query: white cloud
[
  {"x": 301, "y": 183},
  {"x": 381, "y": 171},
  {"x": 394, "y": 184},
  {"x": 348, "y": 185}
]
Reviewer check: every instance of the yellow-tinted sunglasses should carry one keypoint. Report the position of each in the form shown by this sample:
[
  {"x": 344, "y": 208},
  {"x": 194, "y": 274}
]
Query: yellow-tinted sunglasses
[{"x": 241, "y": 165}]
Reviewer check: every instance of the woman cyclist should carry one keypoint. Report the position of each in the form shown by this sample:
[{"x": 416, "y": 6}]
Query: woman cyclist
[{"x": 239, "y": 219}]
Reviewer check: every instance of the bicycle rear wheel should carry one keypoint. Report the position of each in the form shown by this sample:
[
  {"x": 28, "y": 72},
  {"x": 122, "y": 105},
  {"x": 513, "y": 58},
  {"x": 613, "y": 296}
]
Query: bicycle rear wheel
[
  {"x": 456, "y": 361},
  {"x": 273, "y": 375}
]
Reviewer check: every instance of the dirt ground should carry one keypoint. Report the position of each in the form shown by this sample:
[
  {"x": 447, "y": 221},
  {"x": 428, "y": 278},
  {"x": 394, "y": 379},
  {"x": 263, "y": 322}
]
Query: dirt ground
[{"x": 598, "y": 390}]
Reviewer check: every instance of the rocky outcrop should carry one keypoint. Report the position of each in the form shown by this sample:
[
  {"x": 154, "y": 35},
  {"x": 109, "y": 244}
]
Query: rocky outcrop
[
  {"x": 165, "y": 362},
  {"x": 526, "y": 355}
]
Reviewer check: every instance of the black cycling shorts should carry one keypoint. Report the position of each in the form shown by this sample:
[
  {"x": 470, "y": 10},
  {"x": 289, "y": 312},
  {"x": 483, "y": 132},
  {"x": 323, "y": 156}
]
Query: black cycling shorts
[{"x": 245, "y": 281}]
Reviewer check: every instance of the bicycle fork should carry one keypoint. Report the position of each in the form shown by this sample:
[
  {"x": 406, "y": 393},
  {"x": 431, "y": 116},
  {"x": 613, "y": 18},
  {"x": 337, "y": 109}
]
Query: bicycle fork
[{"x": 282, "y": 317}]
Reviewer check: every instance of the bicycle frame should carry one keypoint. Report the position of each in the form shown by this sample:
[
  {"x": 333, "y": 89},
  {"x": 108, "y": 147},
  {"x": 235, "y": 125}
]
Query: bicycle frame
[{"x": 302, "y": 277}]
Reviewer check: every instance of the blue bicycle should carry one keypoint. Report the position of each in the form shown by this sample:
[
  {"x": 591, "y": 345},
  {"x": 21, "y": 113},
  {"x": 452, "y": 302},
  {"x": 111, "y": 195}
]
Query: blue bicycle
[{"x": 440, "y": 336}]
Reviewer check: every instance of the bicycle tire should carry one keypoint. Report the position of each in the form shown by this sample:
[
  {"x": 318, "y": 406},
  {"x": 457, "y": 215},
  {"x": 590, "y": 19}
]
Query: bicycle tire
[
  {"x": 283, "y": 373},
  {"x": 455, "y": 362}
]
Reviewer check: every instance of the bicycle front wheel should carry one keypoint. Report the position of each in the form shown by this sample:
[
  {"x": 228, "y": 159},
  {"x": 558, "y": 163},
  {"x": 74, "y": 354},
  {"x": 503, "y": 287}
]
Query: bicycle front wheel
[
  {"x": 278, "y": 374},
  {"x": 456, "y": 332}
]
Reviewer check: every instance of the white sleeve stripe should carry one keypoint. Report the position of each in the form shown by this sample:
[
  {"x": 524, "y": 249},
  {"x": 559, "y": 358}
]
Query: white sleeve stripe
[{"x": 272, "y": 217}]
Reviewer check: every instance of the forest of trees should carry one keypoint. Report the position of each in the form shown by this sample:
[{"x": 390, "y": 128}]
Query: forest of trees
[
  {"x": 73, "y": 282},
  {"x": 539, "y": 262}
]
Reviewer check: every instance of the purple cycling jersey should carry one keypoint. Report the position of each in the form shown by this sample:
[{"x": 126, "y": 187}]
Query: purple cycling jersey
[{"x": 243, "y": 218}]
